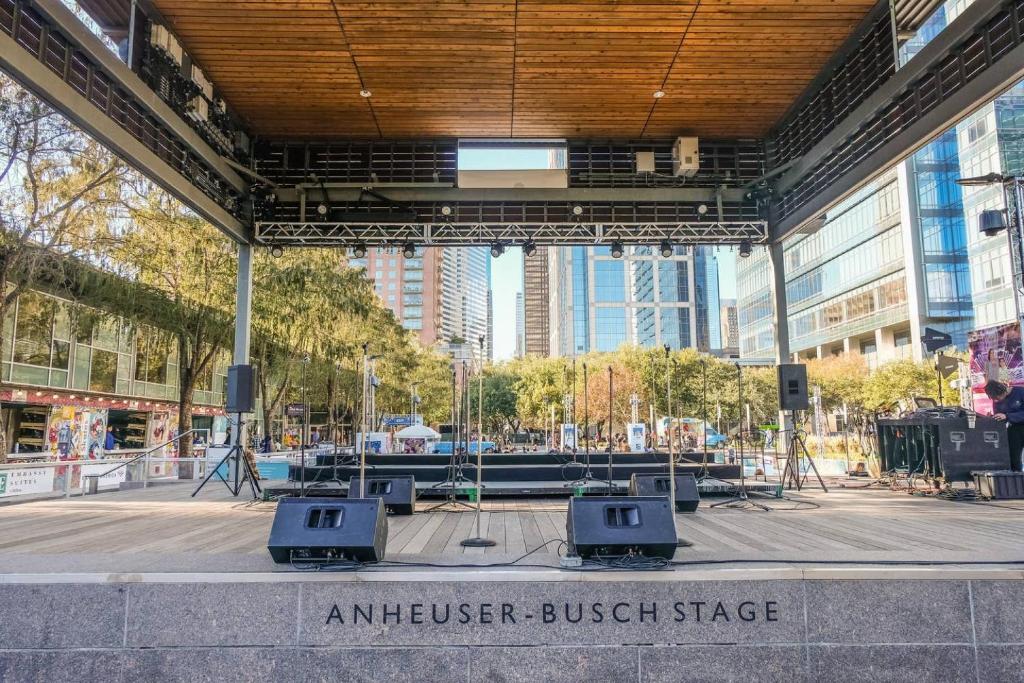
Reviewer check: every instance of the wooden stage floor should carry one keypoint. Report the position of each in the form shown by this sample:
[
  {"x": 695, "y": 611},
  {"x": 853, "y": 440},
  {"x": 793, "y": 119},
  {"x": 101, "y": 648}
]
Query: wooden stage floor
[{"x": 162, "y": 529}]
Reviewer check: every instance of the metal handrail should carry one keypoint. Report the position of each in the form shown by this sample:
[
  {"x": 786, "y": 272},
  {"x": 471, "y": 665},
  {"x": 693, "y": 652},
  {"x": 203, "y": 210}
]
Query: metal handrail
[{"x": 144, "y": 454}]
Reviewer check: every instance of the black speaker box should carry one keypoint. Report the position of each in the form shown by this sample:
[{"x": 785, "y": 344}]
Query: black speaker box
[
  {"x": 687, "y": 495},
  {"x": 617, "y": 525},
  {"x": 241, "y": 390},
  {"x": 793, "y": 387},
  {"x": 308, "y": 529},
  {"x": 398, "y": 492}
]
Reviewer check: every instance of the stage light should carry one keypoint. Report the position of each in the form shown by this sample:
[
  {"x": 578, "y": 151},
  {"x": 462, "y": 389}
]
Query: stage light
[
  {"x": 365, "y": 93},
  {"x": 702, "y": 209},
  {"x": 658, "y": 94},
  {"x": 277, "y": 251},
  {"x": 497, "y": 249},
  {"x": 577, "y": 210},
  {"x": 617, "y": 249},
  {"x": 359, "y": 251},
  {"x": 991, "y": 222},
  {"x": 446, "y": 210},
  {"x": 745, "y": 248},
  {"x": 666, "y": 248},
  {"x": 530, "y": 248},
  {"x": 322, "y": 208},
  {"x": 409, "y": 250}
]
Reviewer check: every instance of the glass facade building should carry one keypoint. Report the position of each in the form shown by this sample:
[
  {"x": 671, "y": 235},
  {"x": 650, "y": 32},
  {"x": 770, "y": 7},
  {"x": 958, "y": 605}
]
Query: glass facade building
[
  {"x": 599, "y": 303},
  {"x": 440, "y": 294},
  {"x": 902, "y": 253}
]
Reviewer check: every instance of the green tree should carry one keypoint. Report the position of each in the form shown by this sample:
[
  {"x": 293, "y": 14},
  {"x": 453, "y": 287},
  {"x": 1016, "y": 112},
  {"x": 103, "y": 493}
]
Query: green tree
[{"x": 899, "y": 381}]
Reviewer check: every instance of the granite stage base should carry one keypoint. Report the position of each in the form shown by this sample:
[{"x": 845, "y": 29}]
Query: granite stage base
[{"x": 721, "y": 624}]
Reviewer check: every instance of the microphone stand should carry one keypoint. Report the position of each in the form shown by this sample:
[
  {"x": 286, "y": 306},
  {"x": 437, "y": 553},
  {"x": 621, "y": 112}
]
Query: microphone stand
[{"x": 741, "y": 499}]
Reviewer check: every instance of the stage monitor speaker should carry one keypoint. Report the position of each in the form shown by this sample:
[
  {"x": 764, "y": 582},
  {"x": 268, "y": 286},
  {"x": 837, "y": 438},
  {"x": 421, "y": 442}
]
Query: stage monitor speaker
[
  {"x": 397, "y": 492},
  {"x": 687, "y": 495},
  {"x": 793, "y": 386},
  {"x": 241, "y": 389},
  {"x": 618, "y": 525},
  {"x": 325, "y": 529}
]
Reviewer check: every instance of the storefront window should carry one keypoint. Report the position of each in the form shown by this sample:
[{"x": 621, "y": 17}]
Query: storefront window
[{"x": 103, "y": 374}]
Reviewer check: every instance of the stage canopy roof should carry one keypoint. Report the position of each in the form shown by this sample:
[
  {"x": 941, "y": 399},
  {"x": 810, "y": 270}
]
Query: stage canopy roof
[{"x": 583, "y": 69}]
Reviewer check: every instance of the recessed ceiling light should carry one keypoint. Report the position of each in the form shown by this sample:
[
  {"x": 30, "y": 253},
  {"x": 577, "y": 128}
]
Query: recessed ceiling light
[
  {"x": 365, "y": 93},
  {"x": 658, "y": 94}
]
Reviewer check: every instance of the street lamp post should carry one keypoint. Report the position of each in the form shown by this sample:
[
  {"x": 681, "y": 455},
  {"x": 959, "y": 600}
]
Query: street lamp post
[{"x": 994, "y": 221}]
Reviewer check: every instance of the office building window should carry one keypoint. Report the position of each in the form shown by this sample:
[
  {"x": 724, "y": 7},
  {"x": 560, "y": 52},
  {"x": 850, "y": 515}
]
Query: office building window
[
  {"x": 675, "y": 327},
  {"x": 673, "y": 281},
  {"x": 609, "y": 281},
  {"x": 610, "y": 328}
]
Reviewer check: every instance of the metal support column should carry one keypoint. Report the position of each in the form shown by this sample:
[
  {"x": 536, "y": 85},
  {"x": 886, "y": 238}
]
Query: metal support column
[
  {"x": 243, "y": 317},
  {"x": 782, "y": 354}
]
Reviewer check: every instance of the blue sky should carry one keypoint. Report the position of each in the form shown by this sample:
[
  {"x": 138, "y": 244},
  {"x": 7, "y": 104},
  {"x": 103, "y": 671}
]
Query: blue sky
[{"x": 507, "y": 269}]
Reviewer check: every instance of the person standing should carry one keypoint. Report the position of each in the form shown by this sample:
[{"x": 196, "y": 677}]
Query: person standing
[
  {"x": 1008, "y": 406},
  {"x": 110, "y": 443}
]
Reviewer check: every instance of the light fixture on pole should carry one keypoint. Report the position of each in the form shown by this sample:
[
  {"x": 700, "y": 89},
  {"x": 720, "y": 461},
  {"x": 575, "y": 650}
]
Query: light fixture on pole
[
  {"x": 993, "y": 221},
  {"x": 479, "y": 541}
]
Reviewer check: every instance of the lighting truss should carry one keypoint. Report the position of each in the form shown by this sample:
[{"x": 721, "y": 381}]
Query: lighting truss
[{"x": 330, "y": 234}]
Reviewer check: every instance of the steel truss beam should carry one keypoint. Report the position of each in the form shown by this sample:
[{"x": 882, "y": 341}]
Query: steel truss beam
[
  {"x": 46, "y": 48},
  {"x": 978, "y": 56},
  {"x": 329, "y": 234}
]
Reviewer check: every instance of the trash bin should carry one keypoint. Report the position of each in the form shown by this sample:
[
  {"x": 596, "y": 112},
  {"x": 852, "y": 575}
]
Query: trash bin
[{"x": 92, "y": 483}]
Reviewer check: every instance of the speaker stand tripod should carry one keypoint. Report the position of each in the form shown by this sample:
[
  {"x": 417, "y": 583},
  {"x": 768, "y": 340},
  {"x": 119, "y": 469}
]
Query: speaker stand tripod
[
  {"x": 243, "y": 470},
  {"x": 449, "y": 485},
  {"x": 797, "y": 449}
]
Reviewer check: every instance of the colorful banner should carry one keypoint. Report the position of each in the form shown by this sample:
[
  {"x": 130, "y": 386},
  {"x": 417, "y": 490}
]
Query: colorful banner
[
  {"x": 76, "y": 433},
  {"x": 995, "y": 355}
]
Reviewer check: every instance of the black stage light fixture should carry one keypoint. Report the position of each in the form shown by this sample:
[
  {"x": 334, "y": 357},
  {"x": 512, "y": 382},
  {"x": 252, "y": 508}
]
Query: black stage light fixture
[
  {"x": 617, "y": 249},
  {"x": 359, "y": 251},
  {"x": 497, "y": 249},
  {"x": 666, "y": 249},
  {"x": 409, "y": 250},
  {"x": 745, "y": 248},
  {"x": 530, "y": 248},
  {"x": 277, "y": 251},
  {"x": 322, "y": 208}
]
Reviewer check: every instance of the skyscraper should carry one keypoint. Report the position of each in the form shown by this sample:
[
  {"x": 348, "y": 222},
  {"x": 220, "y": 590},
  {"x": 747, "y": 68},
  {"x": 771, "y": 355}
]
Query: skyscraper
[
  {"x": 520, "y": 326},
  {"x": 730, "y": 328},
  {"x": 536, "y": 305},
  {"x": 599, "y": 302},
  {"x": 441, "y": 293}
]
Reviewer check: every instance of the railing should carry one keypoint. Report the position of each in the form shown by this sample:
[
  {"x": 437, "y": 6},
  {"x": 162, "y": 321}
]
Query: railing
[
  {"x": 30, "y": 480},
  {"x": 145, "y": 457}
]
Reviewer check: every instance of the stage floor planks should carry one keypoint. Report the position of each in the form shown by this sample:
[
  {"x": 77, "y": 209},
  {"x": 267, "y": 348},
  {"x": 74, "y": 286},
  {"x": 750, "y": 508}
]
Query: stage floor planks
[{"x": 162, "y": 529}]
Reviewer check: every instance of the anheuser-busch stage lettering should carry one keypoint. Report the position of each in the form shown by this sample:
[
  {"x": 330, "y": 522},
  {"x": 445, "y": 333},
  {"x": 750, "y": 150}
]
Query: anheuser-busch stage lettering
[{"x": 679, "y": 611}]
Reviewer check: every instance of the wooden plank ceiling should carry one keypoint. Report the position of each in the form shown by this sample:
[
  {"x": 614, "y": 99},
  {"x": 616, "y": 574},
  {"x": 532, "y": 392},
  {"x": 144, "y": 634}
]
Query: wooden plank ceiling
[{"x": 586, "y": 68}]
